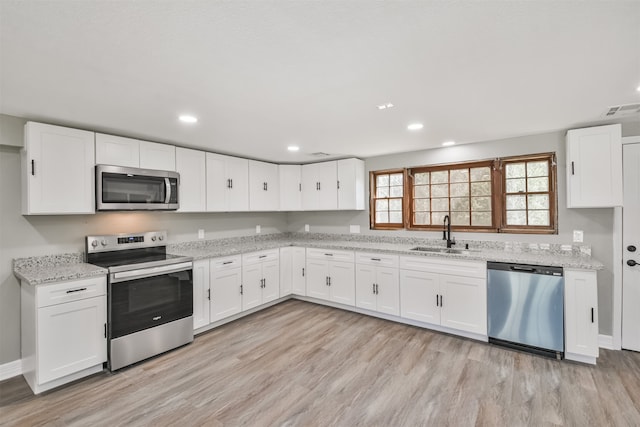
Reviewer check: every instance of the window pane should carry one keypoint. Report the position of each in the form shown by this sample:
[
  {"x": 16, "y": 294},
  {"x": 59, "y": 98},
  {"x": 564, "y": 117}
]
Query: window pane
[
  {"x": 516, "y": 217},
  {"x": 516, "y": 185},
  {"x": 395, "y": 217},
  {"x": 538, "y": 168},
  {"x": 421, "y": 205},
  {"x": 396, "y": 179},
  {"x": 438, "y": 217},
  {"x": 441, "y": 190},
  {"x": 382, "y": 192},
  {"x": 440, "y": 204},
  {"x": 459, "y": 190},
  {"x": 460, "y": 175},
  {"x": 516, "y": 203},
  {"x": 421, "y": 218},
  {"x": 538, "y": 217},
  {"x": 395, "y": 204},
  {"x": 421, "y": 178},
  {"x": 460, "y": 204},
  {"x": 515, "y": 170},
  {"x": 439, "y": 177},
  {"x": 382, "y": 180},
  {"x": 460, "y": 218},
  {"x": 538, "y": 184},
  {"x": 382, "y": 217},
  {"x": 481, "y": 218},
  {"x": 481, "y": 204},
  {"x": 538, "y": 201},
  {"x": 421, "y": 191},
  {"x": 481, "y": 174},
  {"x": 395, "y": 192},
  {"x": 382, "y": 205},
  {"x": 481, "y": 188}
]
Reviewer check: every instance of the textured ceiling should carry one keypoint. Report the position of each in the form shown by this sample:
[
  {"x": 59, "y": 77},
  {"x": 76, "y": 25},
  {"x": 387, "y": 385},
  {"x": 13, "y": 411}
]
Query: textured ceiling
[{"x": 261, "y": 75}]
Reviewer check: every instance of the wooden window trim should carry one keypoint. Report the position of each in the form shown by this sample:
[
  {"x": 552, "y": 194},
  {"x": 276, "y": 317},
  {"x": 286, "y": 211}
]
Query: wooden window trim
[{"x": 372, "y": 200}]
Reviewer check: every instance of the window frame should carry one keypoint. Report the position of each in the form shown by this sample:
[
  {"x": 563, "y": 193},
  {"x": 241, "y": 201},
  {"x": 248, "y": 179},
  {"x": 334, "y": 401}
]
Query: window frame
[{"x": 372, "y": 200}]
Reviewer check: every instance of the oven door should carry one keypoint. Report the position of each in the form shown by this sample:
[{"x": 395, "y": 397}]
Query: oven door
[{"x": 142, "y": 299}]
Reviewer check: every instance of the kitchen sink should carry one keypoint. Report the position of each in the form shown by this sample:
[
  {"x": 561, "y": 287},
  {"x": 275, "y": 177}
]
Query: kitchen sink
[{"x": 442, "y": 250}]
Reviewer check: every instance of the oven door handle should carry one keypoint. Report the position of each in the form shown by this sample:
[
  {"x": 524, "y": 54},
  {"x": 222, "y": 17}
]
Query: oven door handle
[{"x": 150, "y": 272}]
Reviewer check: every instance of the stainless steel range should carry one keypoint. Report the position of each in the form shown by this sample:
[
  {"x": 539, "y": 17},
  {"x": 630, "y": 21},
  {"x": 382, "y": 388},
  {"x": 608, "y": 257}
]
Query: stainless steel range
[{"x": 149, "y": 295}]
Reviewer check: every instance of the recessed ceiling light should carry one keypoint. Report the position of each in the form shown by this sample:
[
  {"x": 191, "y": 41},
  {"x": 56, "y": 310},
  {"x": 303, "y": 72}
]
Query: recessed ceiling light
[
  {"x": 415, "y": 126},
  {"x": 293, "y": 148},
  {"x": 385, "y": 106},
  {"x": 185, "y": 118},
  {"x": 448, "y": 143}
]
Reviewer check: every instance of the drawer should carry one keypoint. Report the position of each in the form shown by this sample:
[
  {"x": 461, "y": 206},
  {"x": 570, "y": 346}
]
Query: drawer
[
  {"x": 74, "y": 290},
  {"x": 444, "y": 266},
  {"x": 225, "y": 263},
  {"x": 255, "y": 257},
  {"x": 377, "y": 259},
  {"x": 330, "y": 255}
]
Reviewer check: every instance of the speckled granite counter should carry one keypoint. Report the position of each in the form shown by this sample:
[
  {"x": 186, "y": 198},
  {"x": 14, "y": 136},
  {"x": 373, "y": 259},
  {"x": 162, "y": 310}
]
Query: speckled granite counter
[{"x": 55, "y": 268}]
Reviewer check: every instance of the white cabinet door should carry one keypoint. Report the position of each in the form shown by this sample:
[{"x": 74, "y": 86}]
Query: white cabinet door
[
  {"x": 463, "y": 303},
  {"x": 319, "y": 186},
  {"x": 310, "y": 200},
  {"x": 71, "y": 337},
  {"x": 271, "y": 277},
  {"x": 191, "y": 165},
  {"x": 418, "y": 296},
  {"x": 264, "y": 194},
  {"x": 317, "y": 279},
  {"x": 57, "y": 170},
  {"x": 388, "y": 290},
  {"x": 290, "y": 187},
  {"x": 117, "y": 150},
  {"x": 365, "y": 286},
  {"x": 342, "y": 282},
  {"x": 237, "y": 199},
  {"x": 351, "y": 184},
  {"x": 299, "y": 260},
  {"x": 581, "y": 314},
  {"x": 201, "y": 294},
  {"x": 251, "y": 286},
  {"x": 286, "y": 271},
  {"x": 157, "y": 156},
  {"x": 217, "y": 184},
  {"x": 594, "y": 167},
  {"x": 226, "y": 299}
]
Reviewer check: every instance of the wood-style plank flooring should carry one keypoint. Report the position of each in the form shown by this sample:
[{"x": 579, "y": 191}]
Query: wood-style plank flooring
[{"x": 301, "y": 364}]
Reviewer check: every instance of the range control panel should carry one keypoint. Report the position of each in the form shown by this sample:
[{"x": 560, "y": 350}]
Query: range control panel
[{"x": 119, "y": 242}]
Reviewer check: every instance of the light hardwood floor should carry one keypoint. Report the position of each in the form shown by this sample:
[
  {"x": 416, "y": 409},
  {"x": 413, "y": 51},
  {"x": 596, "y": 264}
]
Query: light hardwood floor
[{"x": 301, "y": 364}]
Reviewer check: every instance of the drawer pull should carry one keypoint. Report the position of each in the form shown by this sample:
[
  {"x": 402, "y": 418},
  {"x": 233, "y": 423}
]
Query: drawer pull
[
  {"x": 328, "y": 254},
  {"x": 262, "y": 256},
  {"x": 70, "y": 291},
  {"x": 376, "y": 259}
]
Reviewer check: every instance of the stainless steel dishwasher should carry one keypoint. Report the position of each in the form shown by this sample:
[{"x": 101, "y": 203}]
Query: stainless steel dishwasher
[{"x": 525, "y": 307}]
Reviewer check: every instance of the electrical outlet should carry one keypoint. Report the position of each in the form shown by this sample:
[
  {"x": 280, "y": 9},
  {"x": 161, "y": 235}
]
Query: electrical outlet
[
  {"x": 578, "y": 236},
  {"x": 354, "y": 229},
  {"x": 201, "y": 234},
  {"x": 257, "y": 229},
  {"x": 306, "y": 227}
]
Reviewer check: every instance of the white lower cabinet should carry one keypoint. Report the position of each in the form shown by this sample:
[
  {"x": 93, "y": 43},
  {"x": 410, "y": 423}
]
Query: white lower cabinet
[
  {"x": 292, "y": 271},
  {"x": 377, "y": 283},
  {"x": 63, "y": 331},
  {"x": 201, "y": 293},
  {"x": 430, "y": 293},
  {"x": 331, "y": 275},
  {"x": 581, "y": 315},
  {"x": 226, "y": 287},
  {"x": 260, "y": 278}
]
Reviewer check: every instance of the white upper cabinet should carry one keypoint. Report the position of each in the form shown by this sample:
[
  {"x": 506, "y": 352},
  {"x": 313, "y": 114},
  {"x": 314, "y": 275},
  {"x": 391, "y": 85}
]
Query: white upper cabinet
[
  {"x": 191, "y": 165},
  {"x": 128, "y": 152},
  {"x": 264, "y": 191},
  {"x": 227, "y": 183},
  {"x": 320, "y": 186},
  {"x": 351, "y": 184},
  {"x": 57, "y": 170},
  {"x": 290, "y": 187},
  {"x": 594, "y": 167}
]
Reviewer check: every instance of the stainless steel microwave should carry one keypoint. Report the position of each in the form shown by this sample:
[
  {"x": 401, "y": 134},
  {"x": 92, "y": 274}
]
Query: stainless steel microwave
[{"x": 131, "y": 189}]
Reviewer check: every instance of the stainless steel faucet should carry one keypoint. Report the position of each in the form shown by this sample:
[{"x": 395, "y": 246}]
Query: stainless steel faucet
[{"x": 446, "y": 233}]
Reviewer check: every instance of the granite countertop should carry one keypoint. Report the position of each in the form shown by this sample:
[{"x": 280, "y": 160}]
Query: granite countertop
[{"x": 55, "y": 268}]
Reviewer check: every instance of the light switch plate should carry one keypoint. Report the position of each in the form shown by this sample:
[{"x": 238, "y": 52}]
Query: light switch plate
[
  {"x": 200, "y": 234},
  {"x": 306, "y": 227},
  {"x": 578, "y": 236},
  {"x": 354, "y": 229}
]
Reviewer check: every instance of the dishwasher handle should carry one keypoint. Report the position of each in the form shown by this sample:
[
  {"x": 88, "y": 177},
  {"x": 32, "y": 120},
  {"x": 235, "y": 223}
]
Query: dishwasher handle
[{"x": 523, "y": 269}]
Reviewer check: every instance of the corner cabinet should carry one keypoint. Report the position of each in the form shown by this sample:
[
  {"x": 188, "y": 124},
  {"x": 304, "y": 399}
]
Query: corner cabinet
[
  {"x": 581, "y": 315},
  {"x": 57, "y": 170},
  {"x": 594, "y": 167},
  {"x": 63, "y": 331},
  {"x": 351, "y": 184},
  {"x": 290, "y": 187},
  {"x": 292, "y": 271},
  {"x": 260, "y": 278}
]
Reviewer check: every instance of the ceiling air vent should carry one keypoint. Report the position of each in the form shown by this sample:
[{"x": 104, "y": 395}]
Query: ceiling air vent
[
  {"x": 623, "y": 110},
  {"x": 320, "y": 154}
]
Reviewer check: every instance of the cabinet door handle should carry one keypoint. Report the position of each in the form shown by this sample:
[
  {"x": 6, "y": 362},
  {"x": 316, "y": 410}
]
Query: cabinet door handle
[
  {"x": 373, "y": 288},
  {"x": 437, "y": 301},
  {"x": 300, "y": 187},
  {"x": 262, "y": 256},
  {"x": 338, "y": 185},
  {"x": 329, "y": 280},
  {"x": 376, "y": 259},
  {"x": 209, "y": 294},
  {"x": 70, "y": 291},
  {"x": 326, "y": 280},
  {"x": 231, "y": 183},
  {"x": 302, "y": 271},
  {"x": 105, "y": 330},
  {"x": 320, "y": 186},
  {"x": 441, "y": 304},
  {"x": 227, "y": 262},
  {"x": 377, "y": 289},
  {"x": 592, "y": 315},
  {"x": 328, "y": 254},
  {"x": 241, "y": 292},
  {"x": 264, "y": 186},
  {"x": 33, "y": 167},
  {"x": 573, "y": 170}
]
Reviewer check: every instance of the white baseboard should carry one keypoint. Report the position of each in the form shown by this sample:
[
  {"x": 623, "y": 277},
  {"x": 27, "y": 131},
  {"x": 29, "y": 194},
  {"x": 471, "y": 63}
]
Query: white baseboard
[
  {"x": 11, "y": 369},
  {"x": 606, "y": 341}
]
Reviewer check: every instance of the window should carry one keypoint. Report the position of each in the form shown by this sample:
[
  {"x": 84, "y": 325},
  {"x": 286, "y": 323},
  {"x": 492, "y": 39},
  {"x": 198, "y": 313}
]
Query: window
[
  {"x": 509, "y": 195},
  {"x": 387, "y": 189}
]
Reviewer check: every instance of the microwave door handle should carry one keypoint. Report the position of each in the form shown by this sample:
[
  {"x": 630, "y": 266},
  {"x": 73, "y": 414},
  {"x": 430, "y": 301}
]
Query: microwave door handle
[{"x": 167, "y": 185}]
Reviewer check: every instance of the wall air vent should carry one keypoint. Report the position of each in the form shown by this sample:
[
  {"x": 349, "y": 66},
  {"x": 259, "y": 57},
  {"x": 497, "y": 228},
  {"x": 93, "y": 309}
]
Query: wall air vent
[
  {"x": 623, "y": 110},
  {"x": 320, "y": 154}
]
